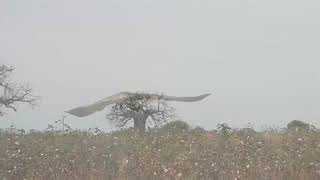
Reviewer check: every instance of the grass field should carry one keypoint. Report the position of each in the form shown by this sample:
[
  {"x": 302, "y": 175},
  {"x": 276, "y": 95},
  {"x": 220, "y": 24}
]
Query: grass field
[{"x": 160, "y": 154}]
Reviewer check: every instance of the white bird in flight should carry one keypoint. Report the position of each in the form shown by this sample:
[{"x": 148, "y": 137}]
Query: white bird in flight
[{"x": 122, "y": 96}]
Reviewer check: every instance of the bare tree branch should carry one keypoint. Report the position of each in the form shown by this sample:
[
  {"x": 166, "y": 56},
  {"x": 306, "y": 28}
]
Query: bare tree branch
[{"x": 12, "y": 94}]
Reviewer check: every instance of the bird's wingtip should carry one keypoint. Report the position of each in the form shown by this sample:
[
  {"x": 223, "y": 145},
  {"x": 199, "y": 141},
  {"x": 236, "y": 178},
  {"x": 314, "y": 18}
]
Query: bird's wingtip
[
  {"x": 205, "y": 95},
  {"x": 69, "y": 112}
]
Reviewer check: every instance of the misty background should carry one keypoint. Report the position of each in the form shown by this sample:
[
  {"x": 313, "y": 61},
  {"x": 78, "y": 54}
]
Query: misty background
[{"x": 260, "y": 59}]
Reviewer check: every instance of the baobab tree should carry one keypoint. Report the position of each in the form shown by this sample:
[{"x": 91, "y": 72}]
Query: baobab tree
[
  {"x": 138, "y": 107},
  {"x": 13, "y": 94}
]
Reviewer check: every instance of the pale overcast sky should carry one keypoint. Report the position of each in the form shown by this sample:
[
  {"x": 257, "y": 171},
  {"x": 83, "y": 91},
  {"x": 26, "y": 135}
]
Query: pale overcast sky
[{"x": 260, "y": 59}]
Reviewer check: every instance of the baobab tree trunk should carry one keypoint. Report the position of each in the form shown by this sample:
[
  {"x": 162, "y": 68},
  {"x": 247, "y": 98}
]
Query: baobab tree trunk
[
  {"x": 140, "y": 120},
  {"x": 140, "y": 123}
]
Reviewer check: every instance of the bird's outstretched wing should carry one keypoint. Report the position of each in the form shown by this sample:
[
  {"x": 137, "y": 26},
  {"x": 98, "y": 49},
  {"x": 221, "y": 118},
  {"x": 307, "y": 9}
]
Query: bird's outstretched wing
[
  {"x": 98, "y": 106},
  {"x": 186, "y": 99},
  {"x": 120, "y": 97}
]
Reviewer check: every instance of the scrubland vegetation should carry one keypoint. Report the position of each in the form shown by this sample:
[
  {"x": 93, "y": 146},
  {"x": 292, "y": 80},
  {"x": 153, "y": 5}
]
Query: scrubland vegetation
[{"x": 172, "y": 152}]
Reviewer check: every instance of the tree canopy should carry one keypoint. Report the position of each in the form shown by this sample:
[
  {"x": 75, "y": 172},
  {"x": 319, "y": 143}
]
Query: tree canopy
[{"x": 139, "y": 109}]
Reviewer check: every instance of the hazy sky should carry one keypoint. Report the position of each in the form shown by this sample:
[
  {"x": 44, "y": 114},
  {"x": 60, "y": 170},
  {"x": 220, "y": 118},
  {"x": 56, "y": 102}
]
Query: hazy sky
[{"x": 260, "y": 59}]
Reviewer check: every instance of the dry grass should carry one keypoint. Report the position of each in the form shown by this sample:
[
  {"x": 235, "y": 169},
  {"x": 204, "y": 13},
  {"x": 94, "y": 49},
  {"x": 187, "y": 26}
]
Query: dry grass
[{"x": 160, "y": 154}]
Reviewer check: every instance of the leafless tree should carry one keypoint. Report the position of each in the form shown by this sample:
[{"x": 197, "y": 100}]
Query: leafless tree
[
  {"x": 140, "y": 108},
  {"x": 13, "y": 94}
]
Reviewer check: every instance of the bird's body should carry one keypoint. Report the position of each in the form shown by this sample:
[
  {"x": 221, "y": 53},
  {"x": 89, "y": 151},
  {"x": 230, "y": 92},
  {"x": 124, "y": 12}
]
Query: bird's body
[{"x": 122, "y": 96}]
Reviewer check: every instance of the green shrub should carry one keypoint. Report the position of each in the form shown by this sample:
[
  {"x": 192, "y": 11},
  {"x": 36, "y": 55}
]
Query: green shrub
[
  {"x": 178, "y": 124},
  {"x": 297, "y": 125}
]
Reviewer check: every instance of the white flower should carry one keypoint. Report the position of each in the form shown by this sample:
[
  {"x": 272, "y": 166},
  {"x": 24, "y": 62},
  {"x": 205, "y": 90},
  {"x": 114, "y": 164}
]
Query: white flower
[
  {"x": 180, "y": 174},
  {"x": 248, "y": 166},
  {"x": 165, "y": 170}
]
